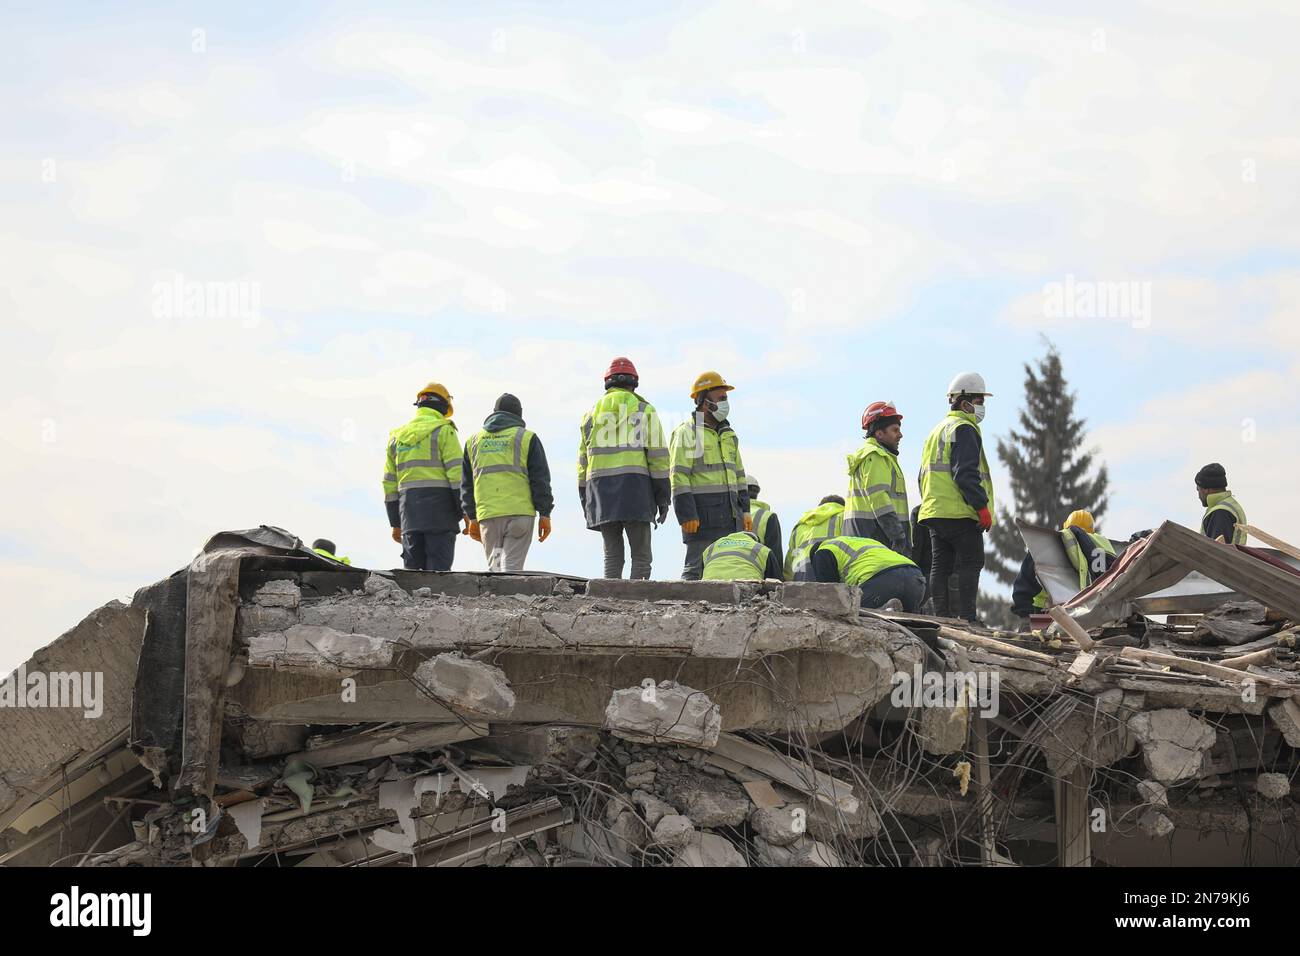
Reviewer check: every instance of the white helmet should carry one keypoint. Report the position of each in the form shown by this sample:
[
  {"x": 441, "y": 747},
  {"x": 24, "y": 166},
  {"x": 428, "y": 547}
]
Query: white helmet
[{"x": 967, "y": 383}]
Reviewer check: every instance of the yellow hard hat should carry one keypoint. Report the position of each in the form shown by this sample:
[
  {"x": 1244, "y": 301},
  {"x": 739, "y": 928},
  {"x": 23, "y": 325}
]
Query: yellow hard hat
[
  {"x": 435, "y": 388},
  {"x": 1081, "y": 520},
  {"x": 708, "y": 382}
]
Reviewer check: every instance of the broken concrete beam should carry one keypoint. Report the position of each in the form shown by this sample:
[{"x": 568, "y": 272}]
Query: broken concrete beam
[
  {"x": 714, "y": 592},
  {"x": 466, "y": 685},
  {"x": 359, "y": 748},
  {"x": 284, "y": 594},
  {"x": 1286, "y": 715},
  {"x": 1174, "y": 743},
  {"x": 831, "y": 600},
  {"x": 667, "y": 713},
  {"x": 321, "y": 650},
  {"x": 84, "y": 683},
  {"x": 469, "y": 585}
]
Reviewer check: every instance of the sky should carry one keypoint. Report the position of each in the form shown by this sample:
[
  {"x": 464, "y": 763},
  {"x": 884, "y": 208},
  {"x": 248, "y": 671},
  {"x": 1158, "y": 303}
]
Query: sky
[{"x": 236, "y": 239}]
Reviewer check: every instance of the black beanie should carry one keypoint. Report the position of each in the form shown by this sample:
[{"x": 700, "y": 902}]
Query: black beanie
[
  {"x": 1212, "y": 477},
  {"x": 510, "y": 405},
  {"x": 323, "y": 544}
]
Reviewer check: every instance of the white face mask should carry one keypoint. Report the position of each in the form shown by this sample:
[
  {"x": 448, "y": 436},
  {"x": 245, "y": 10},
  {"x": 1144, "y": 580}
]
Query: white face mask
[
  {"x": 722, "y": 411},
  {"x": 979, "y": 412}
]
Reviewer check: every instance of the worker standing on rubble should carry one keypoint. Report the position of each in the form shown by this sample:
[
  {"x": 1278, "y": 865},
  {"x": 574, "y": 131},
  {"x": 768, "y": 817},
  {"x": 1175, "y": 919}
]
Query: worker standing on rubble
[
  {"x": 422, "y": 478},
  {"x": 710, "y": 491},
  {"x": 508, "y": 482},
  {"x": 885, "y": 576},
  {"x": 876, "y": 506},
  {"x": 766, "y": 524},
  {"x": 1224, "y": 516},
  {"x": 1089, "y": 552},
  {"x": 957, "y": 497},
  {"x": 740, "y": 556},
  {"x": 824, "y": 521},
  {"x": 623, "y": 471}
]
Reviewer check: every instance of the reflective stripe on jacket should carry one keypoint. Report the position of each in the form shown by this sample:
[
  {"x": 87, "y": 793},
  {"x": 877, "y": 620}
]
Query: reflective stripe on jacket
[
  {"x": 622, "y": 461},
  {"x": 1224, "y": 501},
  {"x": 708, "y": 476},
  {"x": 422, "y": 474},
  {"x": 824, "y": 521},
  {"x": 877, "y": 487}
]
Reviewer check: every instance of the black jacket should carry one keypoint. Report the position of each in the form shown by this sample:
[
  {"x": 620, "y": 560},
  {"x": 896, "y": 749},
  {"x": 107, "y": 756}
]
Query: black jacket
[
  {"x": 1218, "y": 523},
  {"x": 539, "y": 472},
  {"x": 967, "y": 448}
]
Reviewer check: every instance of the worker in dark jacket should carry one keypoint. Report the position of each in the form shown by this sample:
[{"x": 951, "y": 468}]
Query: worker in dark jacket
[
  {"x": 766, "y": 524},
  {"x": 957, "y": 497},
  {"x": 1224, "y": 516},
  {"x": 623, "y": 471},
  {"x": 422, "y": 478},
  {"x": 506, "y": 482}
]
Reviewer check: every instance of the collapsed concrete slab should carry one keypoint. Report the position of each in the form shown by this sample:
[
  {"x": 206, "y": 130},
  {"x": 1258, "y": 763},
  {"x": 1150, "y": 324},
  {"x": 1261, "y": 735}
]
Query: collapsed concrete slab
[{"x": 668, "y": 713}]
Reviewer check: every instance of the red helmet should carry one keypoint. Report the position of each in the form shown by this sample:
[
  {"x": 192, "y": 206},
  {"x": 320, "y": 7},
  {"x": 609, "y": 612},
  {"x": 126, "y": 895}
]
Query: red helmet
[
  {"x": 621, "y": 366},
  {"x": 878, "y": 410}
]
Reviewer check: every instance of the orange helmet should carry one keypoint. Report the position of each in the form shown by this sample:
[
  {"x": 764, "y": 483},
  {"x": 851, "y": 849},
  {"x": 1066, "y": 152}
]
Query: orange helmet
[{"x": 876, "y": 411}]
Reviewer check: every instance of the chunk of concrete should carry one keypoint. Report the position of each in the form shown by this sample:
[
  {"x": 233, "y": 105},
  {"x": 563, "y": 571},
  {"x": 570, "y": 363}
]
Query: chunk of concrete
[
  {"x": 1153, "y": 794},
  {"x": 669, "y": 713},
  {"x": 710, "y": 801},
  {"x": 674, "y": 831},
  {"x": 652, "y": 808},
  {"x": 317, "y": 649},
  {"x": 780, "y": 828},
  {"x": 943, "y": 730},
  {"x": 285, "y": 594},
  {"x": 1174, "y": 743},
  {"x": 829, "y": 600},
  {"x": 379, "y": 586},
  {"x": 1156, "y": 824},
  {"x": 1273, "y": 786},
  {"x": 710, "y": 851},
  {"x": 629, "y": 832},
  {"x": 1286, "y": 715},
  {"x": 467, "y": 685}
]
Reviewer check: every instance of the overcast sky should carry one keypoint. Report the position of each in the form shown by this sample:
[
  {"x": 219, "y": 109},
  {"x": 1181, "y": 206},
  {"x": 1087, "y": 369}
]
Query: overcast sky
[{"x": 830, "y": 204}]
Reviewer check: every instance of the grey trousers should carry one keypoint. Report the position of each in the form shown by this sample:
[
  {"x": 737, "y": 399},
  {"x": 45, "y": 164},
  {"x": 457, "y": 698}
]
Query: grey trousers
[
  {"x": 506, "y": 541},
  {"x": 638, "y": 536}
]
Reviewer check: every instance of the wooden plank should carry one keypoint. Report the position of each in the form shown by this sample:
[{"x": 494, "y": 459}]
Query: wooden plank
[
  {"x": 1276, "y": 544},
  {"x": 794, "y": 774},
  {"x": 1073, "y": 825},
  {"x": 1247, "y": 575},
  {"x": 1258, "y": 659},
  {"x": 1071, "y": 627},
  {"x": 988, "y": 643},
  {"x": 1196, "y": 667}
]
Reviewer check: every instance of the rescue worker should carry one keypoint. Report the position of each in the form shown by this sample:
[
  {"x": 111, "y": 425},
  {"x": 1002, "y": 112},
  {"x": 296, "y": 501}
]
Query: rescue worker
[
  {"x": 957, "y": 497},
  {"x": 766, "y": 524},
  {"x": 883, "y": 575},
  {"x": 1224, "y": 516},
  {"x": 876, "y": 506},
  {"x": 508, "y": 481},
  {"x": 325, "y": 548},
  {"x": 824, "y": 521},
  {"x": 623, "y": 471},
  {"x": 422, "y": 478},
  {"x": 922, "y": 555},
  {"x": 1089, "y": 552},
  {"x": 710, "y": 491},
  {"x": 740, "y": 556}
]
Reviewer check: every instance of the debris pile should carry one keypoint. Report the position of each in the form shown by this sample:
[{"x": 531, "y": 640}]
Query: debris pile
[{"x": 265, "y": 708}]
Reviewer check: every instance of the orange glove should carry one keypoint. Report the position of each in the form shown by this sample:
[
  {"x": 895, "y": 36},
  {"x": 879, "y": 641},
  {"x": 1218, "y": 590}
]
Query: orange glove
[
  {"x": 543, "y": 529},
  {"x": 475, "y": 531},
  {"x": 465, "y": 530},
  {"x": 749, "y": 522},
  {"x": 986, "y": 519},
  {"x": 691, "y": 527},
  {"x": 397, "y": 535}
]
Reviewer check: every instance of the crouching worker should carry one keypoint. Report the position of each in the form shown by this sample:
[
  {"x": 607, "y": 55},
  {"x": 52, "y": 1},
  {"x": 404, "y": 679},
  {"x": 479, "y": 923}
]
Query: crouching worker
[
  {"x": 740, "y": 556},
  {"x": 883, "y": 575}
]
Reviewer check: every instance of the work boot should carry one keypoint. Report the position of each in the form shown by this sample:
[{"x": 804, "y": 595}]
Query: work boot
[
  {"x": 968, "y": 589},
  {"x": 939, "y": 595}
]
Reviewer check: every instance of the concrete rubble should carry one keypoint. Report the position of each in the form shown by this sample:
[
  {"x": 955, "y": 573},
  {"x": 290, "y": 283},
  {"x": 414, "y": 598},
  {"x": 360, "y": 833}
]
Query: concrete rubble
[{"x": 264, "y": 707}]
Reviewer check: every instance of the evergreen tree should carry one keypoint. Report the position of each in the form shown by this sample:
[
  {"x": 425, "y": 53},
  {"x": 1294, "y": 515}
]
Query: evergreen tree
[{"x": 1047, "y": 465}]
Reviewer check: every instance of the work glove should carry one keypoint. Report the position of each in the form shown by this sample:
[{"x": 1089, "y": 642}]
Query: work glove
[
  {"x": 465, "y": 530},
  {"x": 397, "y": 535},
  {"x": 986, "y": 519},
  {"x": 663, "y": 513},
  {"x": 543, "y": 529},
  {"x": 475, "y": 531},
  {"x": 749, "y": 522},
  {"x": 691, "y": 527}
]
